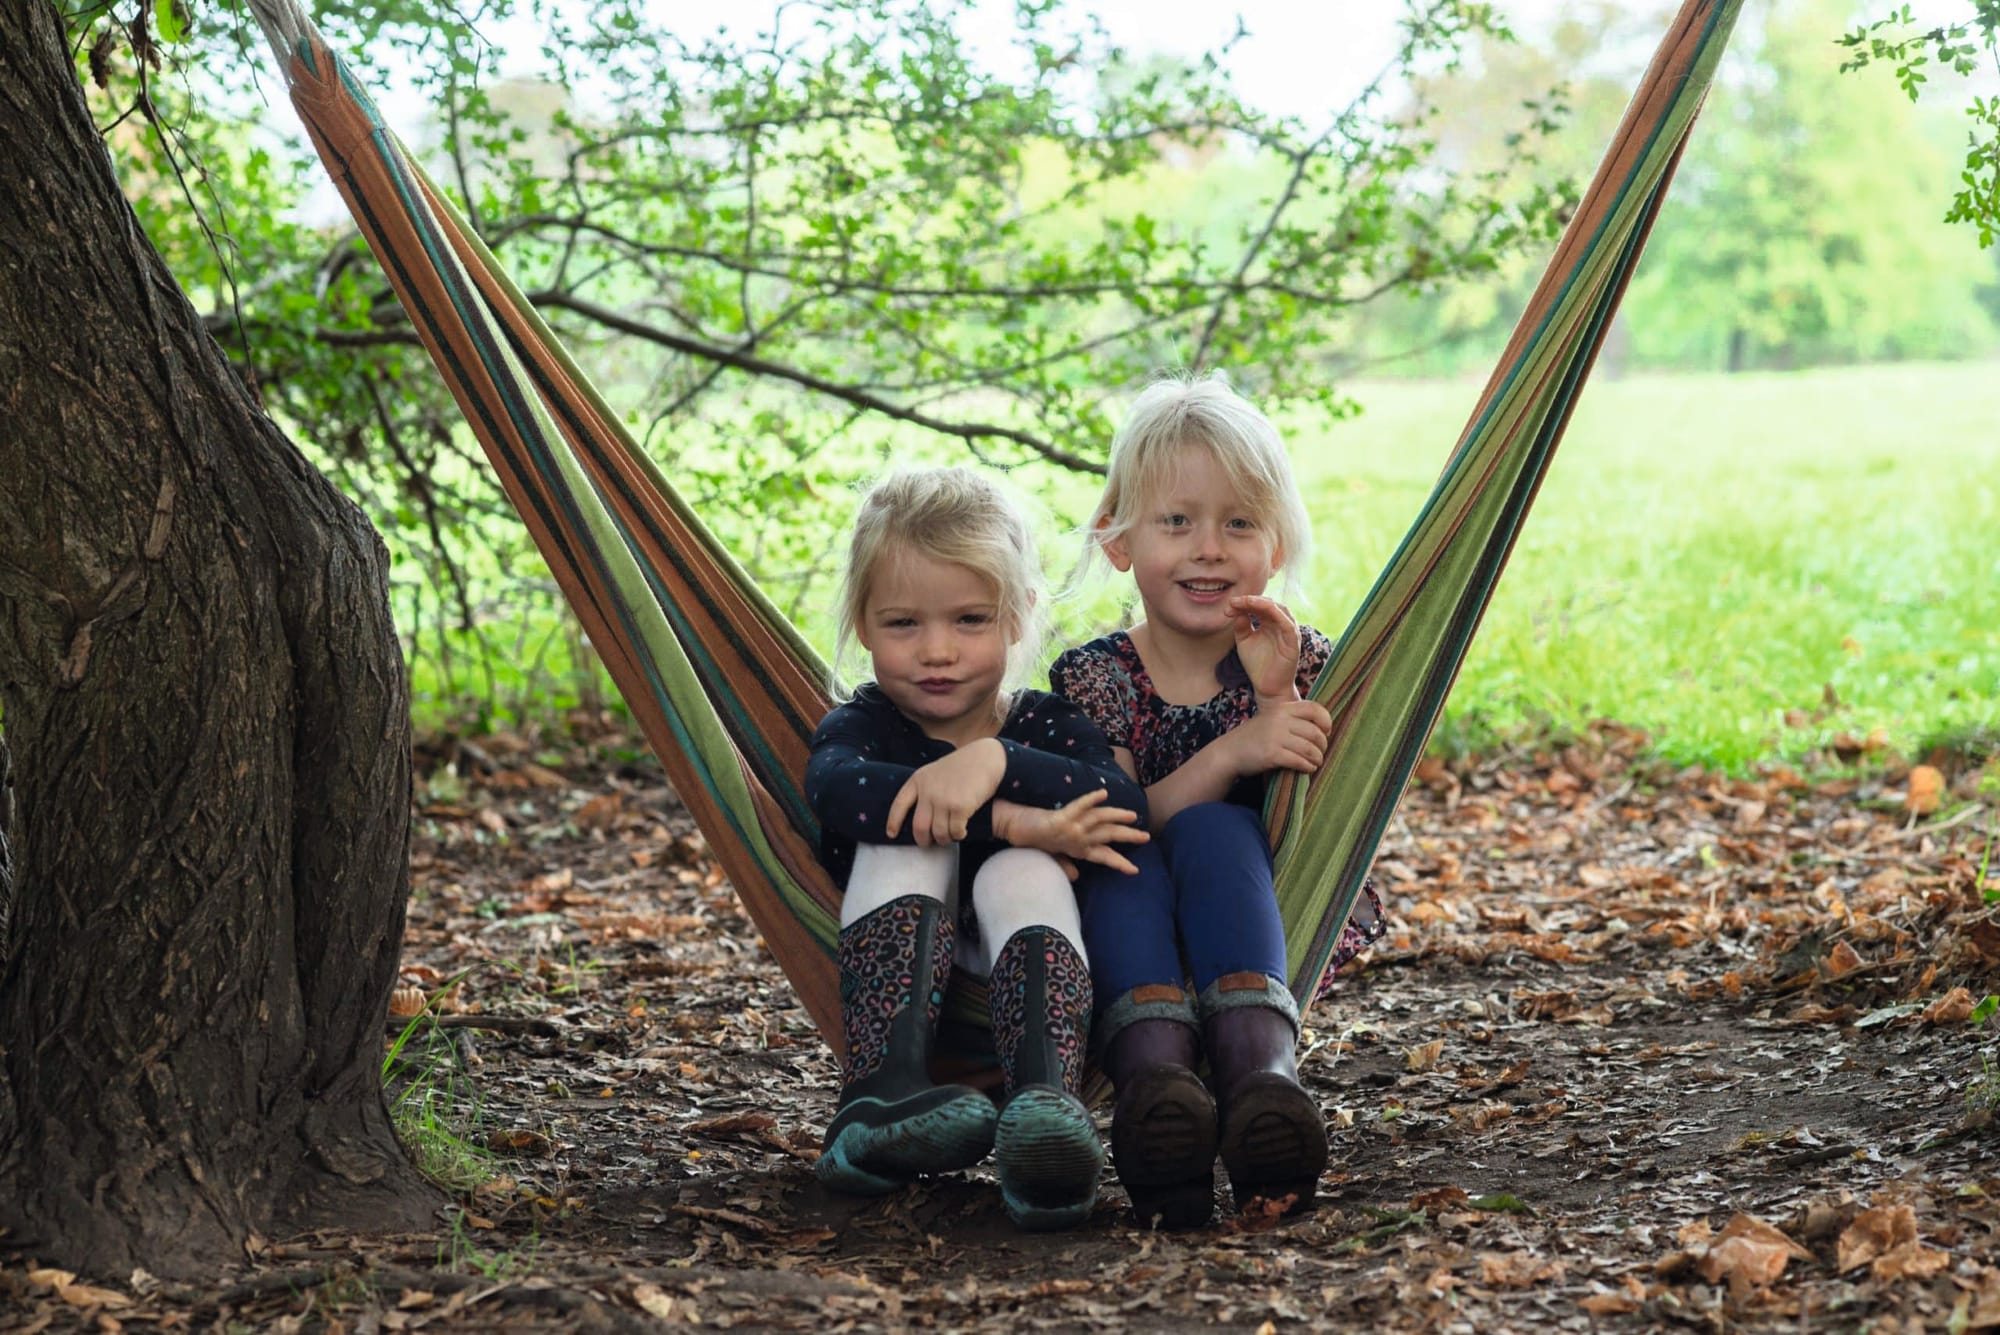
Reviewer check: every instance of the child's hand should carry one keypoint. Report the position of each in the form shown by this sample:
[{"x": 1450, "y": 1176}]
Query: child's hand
[
  {"x": 1267, "y": 640},
  {"x": 1288, "y": 734},
  {"x": 1084, "y": 830},
  {"x": 941, "y": 796}
]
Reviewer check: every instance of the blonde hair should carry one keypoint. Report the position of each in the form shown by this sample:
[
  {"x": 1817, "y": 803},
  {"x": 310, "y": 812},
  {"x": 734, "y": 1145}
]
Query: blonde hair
[
  {"x": 1178, "y": 412},
  {"x": 959, "y": 517}
]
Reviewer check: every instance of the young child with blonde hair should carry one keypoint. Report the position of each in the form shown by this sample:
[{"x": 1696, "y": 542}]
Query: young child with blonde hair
[
  {"x": 1202, "y": 700},
  {"x": 931, "y": 777}
]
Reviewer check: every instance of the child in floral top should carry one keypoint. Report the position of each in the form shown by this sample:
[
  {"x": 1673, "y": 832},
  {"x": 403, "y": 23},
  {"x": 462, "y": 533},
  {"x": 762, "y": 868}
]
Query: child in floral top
[{"x": 1201, "y": 701}]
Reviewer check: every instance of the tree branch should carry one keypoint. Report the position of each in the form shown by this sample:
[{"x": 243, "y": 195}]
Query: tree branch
[{"x": 693, "y": 347}]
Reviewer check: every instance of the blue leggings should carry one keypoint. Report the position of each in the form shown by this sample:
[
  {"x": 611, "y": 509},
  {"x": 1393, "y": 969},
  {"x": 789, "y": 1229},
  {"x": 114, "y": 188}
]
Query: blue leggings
[{"x": 1202, "y": 904}]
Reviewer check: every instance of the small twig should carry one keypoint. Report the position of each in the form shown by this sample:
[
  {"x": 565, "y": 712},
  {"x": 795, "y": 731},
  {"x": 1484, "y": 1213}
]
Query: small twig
[
  {"x": 1916, "y": 831},
  {"x": 761, "y": 1227}
]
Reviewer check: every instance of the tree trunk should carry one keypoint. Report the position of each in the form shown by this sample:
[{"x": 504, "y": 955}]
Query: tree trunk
[{"x": 209, "y": 726}]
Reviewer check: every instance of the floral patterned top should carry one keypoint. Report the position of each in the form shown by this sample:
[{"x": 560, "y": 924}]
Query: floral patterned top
[{"x": 1107, "y": 680}]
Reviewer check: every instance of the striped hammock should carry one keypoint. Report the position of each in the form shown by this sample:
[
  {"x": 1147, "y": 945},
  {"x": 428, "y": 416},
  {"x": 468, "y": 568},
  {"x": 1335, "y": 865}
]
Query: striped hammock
[{"x": 728, "y": 693}]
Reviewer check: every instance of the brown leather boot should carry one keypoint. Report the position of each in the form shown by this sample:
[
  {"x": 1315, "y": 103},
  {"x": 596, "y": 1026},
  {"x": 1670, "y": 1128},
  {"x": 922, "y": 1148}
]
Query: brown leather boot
[
  {"x": 1163, "y": 1132},
  {"x": 1273, "y": 1140}
]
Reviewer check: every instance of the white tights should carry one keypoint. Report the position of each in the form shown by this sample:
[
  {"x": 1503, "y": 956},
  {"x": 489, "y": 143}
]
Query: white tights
[{"x": 1013, "y": 889}]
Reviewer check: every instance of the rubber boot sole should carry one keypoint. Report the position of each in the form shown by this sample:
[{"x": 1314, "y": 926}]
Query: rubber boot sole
[
  {"x": 1273, "y": 1142},
  {"x": 875, "y": 1146},
  {"x": 1049, "y": 1158},
  {"x": 1163, "y": 1144}
]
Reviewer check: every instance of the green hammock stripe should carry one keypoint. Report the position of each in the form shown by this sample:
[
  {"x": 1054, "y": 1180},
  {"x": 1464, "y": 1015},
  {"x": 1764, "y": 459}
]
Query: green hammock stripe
[
  {"x": 1421, "y": 614},
  {"x": 727, "y": 691},
  {"x": 586, "y": 545}
]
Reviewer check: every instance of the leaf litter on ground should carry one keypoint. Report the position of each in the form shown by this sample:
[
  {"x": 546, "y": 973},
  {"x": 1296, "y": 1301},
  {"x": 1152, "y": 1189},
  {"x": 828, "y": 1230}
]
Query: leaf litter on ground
[{"x": 1643, "y": 1041}]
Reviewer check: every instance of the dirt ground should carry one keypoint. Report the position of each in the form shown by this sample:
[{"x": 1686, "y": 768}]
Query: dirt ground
[{"x": 1644, "y": 1049}]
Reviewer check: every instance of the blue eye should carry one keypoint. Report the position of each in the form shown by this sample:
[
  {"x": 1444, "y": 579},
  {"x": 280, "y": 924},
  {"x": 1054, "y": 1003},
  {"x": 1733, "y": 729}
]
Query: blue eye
[
  {"x": 1174, "y": 521},
  {"x": 1242, "y": 525},
  {"x": 975, "y": 619}
]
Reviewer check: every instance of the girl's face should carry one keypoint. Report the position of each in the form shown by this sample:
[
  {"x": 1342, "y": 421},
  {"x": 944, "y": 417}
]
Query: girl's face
[
  {"x": 1193, "y": 549},
  {"x": 940, "y": 652}
]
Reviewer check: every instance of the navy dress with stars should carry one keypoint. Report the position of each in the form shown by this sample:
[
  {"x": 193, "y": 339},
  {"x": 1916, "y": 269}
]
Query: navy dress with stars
[{"x": 864, "y": 751}]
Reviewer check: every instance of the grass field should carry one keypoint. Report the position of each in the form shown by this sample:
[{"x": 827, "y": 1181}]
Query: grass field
[{"x": 1709, "y": 552}]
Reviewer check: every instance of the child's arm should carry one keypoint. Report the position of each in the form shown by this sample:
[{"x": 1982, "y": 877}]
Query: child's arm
[
  {"x": 1285, "y": 734},
  {"x": 1070, "y": 757},
  {"x": 848, "y": 789},
  {"x": 1086, "y": 830},
  {"x": 949, "y": 799}
]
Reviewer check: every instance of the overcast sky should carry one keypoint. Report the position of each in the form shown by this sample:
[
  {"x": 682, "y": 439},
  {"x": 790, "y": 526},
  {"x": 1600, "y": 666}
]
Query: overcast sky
[{"x": 1303, "y": 57}]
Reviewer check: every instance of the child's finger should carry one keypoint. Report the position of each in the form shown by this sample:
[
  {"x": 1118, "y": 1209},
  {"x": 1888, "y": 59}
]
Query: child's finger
[
  {"x": 1317, "y": 714},
  {"x": 1069, "y": 867},
  {"x": 1076, "y": 806},
  {"x": 899, "y": 807},
  {"x": 1105, "y": 855},
  {"x": 1124, "y": 834}
]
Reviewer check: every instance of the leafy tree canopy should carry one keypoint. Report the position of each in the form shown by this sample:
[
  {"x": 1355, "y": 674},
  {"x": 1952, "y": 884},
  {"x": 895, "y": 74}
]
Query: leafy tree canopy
[
  {"x": 789, "y": 255},
  {"x": 1913, "y": 51}
]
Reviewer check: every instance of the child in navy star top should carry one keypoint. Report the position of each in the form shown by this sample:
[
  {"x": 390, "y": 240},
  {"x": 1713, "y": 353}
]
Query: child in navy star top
[
  {"x": 934, "y": 777},
  {"x": 1202, "y": 700}
]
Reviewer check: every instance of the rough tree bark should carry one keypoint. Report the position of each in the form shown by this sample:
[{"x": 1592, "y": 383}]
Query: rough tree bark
[{"x": 209, "y": 727}]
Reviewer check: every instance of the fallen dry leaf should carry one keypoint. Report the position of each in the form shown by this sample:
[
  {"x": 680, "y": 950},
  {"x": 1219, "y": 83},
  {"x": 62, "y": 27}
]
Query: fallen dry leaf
[
  {"x": 1954, "y": 1007},
  {"x": 653, "y": 1300},
  {"x": 1424, "y": 1056},
  {"x": 1842, "y": 959},
  {"x": 600, "y": 812},
  {"x": 1518, "y": 1270},
  {"x": 733, "y": 1124},
  {"x": 1607, "y": 1304},
  {"x": 1925, "y": 786},
  {"x": 1439, "y": 1198},
  {"x": 1912, "y": 1260},
  {"x": 1875, "y": 1233},
  {"x": 1746, "y": 1263},
  {"x": 87, "y": 1296},
  {"x": 1825, "y": 1218}
]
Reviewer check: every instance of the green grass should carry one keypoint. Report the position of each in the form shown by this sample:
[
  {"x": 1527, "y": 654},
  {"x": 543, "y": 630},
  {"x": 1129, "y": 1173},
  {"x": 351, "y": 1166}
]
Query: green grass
[{"x": 1709, "y": 552}]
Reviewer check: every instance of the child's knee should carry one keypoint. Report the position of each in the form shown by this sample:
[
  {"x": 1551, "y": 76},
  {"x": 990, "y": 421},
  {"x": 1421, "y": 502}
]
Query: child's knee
[
  {"x": 904, "y": 869},
  {"x": 1023, "y": 883},
  {"x": 1020, "y": 870}
]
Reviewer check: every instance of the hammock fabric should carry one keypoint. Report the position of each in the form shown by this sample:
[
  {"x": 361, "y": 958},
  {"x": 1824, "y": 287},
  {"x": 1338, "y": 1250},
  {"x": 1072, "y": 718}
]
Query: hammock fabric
[{"x": 728, "y": 693}]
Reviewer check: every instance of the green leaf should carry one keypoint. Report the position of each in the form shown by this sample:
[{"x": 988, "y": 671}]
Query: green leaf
[
  {"x": 1501, "y": 1202},
  {"x": 168, "y": 23},
  {"x": 1984, "y": 1011},
  {"x": 1888, "y": 1013}
]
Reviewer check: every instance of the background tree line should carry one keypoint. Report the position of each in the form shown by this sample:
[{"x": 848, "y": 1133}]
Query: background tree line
[{"x": 1810, "y": 220}]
